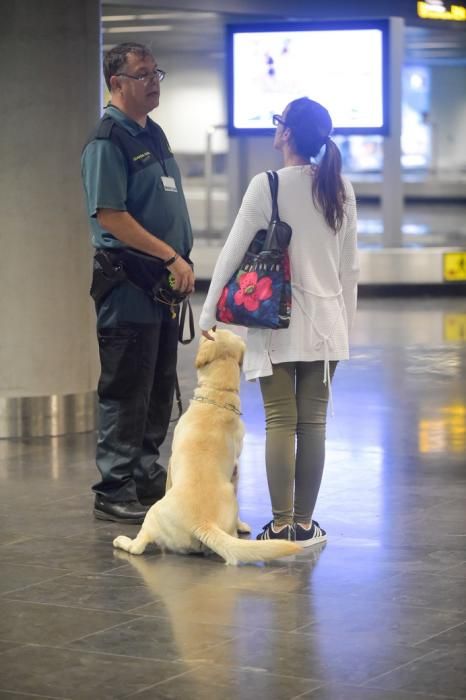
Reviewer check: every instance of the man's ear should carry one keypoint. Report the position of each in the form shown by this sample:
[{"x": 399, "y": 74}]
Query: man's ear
[
  {"x": 115, "y": 83},
  {"x": 206, "y": 353}
]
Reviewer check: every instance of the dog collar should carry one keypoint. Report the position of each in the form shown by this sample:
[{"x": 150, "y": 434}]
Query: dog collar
[{"x": 228, "y": 406}]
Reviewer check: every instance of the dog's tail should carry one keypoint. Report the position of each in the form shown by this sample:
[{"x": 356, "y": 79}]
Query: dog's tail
[{"x": 235, "y": 550}]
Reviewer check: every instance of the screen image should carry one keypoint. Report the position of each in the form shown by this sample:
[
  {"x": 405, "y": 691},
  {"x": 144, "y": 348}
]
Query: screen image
[{"x": 343, "y": 68}]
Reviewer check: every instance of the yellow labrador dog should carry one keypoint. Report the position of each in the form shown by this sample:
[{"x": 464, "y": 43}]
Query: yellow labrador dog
[{"x": 199, "y": 512}]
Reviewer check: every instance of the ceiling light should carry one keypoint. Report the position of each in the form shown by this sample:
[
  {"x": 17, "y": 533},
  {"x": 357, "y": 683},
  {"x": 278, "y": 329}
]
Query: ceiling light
[
  {"x": 146, "y": 28},
  {"x": 191, "y": 16}
]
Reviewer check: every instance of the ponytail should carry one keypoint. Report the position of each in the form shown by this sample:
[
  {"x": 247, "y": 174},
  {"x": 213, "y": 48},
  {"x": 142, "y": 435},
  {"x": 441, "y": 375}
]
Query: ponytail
[
  {"x": 310, "y": 125},
  {"x": 328, "y": 190}
]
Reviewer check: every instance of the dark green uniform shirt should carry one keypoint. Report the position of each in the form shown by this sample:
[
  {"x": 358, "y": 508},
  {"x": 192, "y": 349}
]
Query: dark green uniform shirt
[{"x": 145, "y": 193}]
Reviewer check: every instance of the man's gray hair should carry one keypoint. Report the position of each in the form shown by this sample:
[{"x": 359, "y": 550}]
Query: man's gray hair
[{"x": 115, "y": 59}]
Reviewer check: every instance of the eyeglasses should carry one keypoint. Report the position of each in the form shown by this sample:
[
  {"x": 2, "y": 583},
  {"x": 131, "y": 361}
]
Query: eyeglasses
[
  {"x": 146, "y": 77},
  {"x": 277, "y": 119}
]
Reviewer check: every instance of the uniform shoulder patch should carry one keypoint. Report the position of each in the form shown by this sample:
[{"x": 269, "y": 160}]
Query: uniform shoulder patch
[{"x": 104, "y": 130}]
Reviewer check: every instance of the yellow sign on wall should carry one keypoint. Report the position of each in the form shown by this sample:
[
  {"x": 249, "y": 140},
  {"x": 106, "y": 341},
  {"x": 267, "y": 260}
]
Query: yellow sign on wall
[
  {"x": 454, "y": 267},
  {"x": 436, "y": 10}
]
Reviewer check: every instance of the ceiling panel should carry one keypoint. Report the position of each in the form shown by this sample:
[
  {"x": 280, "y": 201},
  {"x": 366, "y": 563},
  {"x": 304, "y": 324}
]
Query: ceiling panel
[{"x": 184, "y": 32}]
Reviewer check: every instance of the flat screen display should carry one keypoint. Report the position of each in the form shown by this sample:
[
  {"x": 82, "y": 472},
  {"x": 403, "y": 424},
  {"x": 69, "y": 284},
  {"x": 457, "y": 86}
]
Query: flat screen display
[{"x": 344, "y": 66}]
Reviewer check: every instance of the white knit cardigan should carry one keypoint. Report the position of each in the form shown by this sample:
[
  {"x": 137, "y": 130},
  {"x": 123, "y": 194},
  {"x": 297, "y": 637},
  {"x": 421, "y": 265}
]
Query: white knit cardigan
[{"x": 324, "y": 274}]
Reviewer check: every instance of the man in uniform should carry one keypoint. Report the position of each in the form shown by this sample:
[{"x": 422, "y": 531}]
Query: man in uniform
[{"x": 135, "y": 202}]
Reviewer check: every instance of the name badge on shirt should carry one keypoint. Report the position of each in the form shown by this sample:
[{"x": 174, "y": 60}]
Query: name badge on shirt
[{"x": 169, "y": 184}]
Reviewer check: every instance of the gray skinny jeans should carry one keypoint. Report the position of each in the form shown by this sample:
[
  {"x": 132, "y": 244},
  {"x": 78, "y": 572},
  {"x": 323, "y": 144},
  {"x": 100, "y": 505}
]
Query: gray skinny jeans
[{"x": 295, "y": 401}]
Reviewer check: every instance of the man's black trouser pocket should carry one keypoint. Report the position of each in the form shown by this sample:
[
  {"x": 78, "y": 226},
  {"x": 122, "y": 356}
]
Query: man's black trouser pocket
[{"x": 120, "y": 353}]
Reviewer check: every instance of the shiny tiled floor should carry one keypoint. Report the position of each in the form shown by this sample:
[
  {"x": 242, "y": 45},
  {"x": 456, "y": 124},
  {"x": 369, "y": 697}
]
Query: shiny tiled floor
[{"x": 379, "y": 613}]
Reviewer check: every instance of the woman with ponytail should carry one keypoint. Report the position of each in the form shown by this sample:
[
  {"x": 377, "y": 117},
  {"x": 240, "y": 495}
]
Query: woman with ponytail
[{"x": 295, "y": 366}]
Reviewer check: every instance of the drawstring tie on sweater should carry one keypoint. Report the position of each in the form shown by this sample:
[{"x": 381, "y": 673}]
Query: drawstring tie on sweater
[
  {"x": 326, "y": 379},
  {"x": 324, "y": 339}
]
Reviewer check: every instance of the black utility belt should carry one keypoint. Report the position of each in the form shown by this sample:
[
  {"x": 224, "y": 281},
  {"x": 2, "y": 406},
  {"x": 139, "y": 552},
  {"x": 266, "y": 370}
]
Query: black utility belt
[
  {"x": 112, "y": 266},
  {"x": 115, "y": 265}
]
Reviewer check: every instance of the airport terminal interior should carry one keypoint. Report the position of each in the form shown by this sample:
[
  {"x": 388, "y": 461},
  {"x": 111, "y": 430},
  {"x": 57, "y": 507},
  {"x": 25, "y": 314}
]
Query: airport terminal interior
[{"x": 378, "y": 612}]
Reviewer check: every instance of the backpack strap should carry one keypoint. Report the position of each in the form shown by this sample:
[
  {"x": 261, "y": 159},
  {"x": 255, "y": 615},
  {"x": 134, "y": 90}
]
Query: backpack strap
[{"x": 273, "y": 184}]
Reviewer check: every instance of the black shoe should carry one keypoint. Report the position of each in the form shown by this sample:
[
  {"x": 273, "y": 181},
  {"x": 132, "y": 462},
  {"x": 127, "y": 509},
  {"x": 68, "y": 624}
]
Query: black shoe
[
  {"x": 131, "y": 512},
  {"x": 314, "y": 534},
  {"x": 270, "y": 532},
  {"x": 150, "y": 494}
]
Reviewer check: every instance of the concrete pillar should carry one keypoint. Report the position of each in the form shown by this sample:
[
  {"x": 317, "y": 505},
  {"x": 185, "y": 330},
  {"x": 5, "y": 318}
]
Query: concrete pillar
[
  {"x": 248, "y": 156},
  {"x": 392, "y": 182},
  {"x": 50, "y": 100}
]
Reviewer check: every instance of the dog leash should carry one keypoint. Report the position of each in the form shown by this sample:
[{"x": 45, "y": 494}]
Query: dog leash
[{"x": 185, "y": 312}]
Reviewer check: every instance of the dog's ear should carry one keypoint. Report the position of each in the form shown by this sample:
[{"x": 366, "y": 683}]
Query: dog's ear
[{"x": 206, "y": 353}]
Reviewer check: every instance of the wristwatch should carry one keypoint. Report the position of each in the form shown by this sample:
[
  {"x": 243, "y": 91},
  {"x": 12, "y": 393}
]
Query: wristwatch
[{"x": 171, "y": 260}]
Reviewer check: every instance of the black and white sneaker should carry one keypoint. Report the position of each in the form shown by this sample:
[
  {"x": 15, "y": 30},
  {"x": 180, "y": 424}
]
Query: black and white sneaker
[
  {"x": 271, "y": 532},
  {"x": 314, "y": 534}
]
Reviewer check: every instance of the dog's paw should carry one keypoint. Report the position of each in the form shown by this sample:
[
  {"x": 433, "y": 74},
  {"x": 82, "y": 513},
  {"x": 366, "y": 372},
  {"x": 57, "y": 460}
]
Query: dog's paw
[
  {"x": 122, "y": 542},
  {"x": 243, "y": 528}
]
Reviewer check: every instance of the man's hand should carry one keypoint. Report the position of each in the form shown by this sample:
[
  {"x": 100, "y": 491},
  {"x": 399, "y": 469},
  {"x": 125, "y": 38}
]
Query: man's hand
[{"x": 183, "y": 274}]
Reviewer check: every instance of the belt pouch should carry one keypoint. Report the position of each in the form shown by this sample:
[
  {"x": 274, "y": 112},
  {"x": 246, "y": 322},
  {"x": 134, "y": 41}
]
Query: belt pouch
[{"x": 107, "y": 274}]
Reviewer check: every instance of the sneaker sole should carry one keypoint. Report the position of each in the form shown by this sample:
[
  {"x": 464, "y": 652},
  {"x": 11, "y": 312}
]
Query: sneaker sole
[
  {"x": 129, "y": 521},
  {"x": 311, "y": 541}
]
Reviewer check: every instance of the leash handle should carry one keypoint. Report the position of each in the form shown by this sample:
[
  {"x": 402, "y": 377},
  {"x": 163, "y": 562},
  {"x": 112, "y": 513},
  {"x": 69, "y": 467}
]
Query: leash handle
[{"x": 186, "y": 309}]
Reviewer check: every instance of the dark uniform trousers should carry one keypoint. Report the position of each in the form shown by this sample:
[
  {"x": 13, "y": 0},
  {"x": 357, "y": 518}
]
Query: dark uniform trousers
[{"x": 138, "y": 343}]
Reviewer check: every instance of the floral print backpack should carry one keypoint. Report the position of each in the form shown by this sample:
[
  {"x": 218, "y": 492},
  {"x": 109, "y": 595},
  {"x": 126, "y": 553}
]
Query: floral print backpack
[{"x": 258, "y": 294}]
